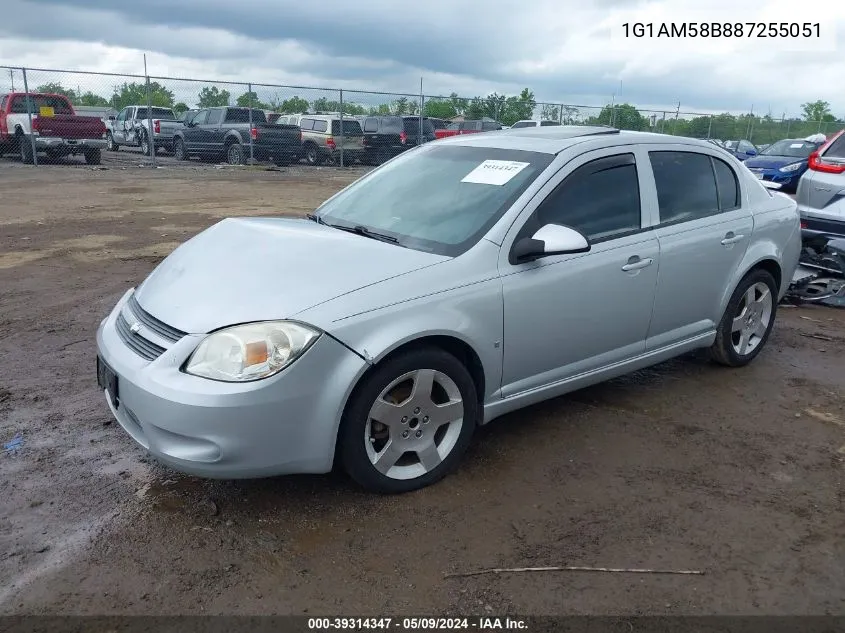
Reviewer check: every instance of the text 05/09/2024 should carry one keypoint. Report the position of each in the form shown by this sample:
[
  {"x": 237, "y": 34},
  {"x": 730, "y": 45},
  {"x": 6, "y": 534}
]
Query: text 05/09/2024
[{"x": 761, "y": 30}]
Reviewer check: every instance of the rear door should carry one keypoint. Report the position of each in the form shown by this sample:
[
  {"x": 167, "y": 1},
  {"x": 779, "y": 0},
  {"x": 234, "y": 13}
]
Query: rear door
[{"x": 704, "y": 230}]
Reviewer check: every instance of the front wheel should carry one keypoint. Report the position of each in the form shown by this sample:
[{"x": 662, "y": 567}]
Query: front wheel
[
  {"x": 312, "y": 155},
  {"x": 748, "y": 320},
  {"x": 145, "y": 145},
  {"x": 110, "y": 144},
  {"x": 25, "y": 146},
  {"x": 179, "y": 152},
  {"x": 409, "y": 422}
]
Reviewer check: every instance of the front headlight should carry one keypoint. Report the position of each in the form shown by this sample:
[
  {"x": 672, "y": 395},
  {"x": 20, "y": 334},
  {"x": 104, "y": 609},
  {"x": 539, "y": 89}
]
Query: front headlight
[
  {"x": 250, "y": 352},
  {"x": 790, "y": 168}
]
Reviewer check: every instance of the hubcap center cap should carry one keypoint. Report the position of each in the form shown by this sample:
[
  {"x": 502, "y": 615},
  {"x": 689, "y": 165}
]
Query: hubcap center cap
[{"x": 413, "y": 423}]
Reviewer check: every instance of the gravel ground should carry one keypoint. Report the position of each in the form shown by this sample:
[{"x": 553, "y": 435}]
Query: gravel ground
[{"x": 687, "y": 465}]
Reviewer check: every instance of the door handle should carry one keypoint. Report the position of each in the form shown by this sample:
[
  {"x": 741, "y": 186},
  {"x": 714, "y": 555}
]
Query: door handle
[
  {"x": 635, "y": 263},
  {"x": 732, "y": 238}
]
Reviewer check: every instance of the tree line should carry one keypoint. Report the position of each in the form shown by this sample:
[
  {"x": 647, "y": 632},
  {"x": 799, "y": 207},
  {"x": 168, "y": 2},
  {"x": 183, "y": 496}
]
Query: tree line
[{"x": 816, "y": 115}]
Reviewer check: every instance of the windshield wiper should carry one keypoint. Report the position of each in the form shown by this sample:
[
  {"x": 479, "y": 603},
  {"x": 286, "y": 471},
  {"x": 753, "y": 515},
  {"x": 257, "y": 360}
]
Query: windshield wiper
[
  {"x": 315, "y": 218},
  {"x": 359, "y": 229}
]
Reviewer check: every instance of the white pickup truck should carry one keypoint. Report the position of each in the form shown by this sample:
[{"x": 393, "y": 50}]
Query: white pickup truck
[{"x": 131, "y": 127}]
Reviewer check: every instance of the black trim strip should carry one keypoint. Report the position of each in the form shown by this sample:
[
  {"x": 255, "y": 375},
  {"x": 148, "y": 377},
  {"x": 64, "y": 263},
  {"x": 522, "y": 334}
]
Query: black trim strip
[
  {"x": 159, "y": 327},
  {"x": 138, "y": 344}
]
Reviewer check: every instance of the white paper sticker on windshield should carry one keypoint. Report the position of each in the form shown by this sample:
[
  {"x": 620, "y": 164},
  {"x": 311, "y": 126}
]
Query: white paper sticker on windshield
[
  {"x": 494, "y": 172},
  {"x": 796, "y": 145}
]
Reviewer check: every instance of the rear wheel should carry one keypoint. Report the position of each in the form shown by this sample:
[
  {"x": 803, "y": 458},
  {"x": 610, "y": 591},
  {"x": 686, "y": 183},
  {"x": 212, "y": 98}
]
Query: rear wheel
[
  {"x": 748, "y": 320},
  {"x": 93, "y": 156},
  {"x": 145, "y": 144},
  {"x": 409, "y": 422},
  {"x": 235, "y": 154},
  {"x": 312, "y": 154}
]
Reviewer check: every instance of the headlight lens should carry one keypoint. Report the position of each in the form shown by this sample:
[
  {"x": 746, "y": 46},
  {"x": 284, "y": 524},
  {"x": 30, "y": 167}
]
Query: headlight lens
[
  {"x": 250, "y": 352},
  {"x": 790, "y": 168}
]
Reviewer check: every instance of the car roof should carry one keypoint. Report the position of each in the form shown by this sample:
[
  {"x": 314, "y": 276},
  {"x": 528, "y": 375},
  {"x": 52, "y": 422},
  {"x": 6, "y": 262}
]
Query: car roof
[{"x": 553, "y": 139}]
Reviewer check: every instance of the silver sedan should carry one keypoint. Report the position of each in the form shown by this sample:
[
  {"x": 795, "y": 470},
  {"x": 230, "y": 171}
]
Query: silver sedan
[{"x": 462, "y": 280}]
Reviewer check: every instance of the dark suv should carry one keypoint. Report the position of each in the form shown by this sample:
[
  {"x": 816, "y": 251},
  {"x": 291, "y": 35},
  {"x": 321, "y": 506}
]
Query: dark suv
[{"x": 389, "y": 136}]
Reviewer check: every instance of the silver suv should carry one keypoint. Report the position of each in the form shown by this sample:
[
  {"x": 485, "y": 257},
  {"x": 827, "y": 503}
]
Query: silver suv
[
  {"x": 821, "y": 190},
  {"x": 322, "y": 140}
]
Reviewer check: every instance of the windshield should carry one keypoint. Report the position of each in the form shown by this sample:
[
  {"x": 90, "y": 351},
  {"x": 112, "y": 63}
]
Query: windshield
[
  {"x": 437, "y": 199},
  {"x": 795, "y": 148}
]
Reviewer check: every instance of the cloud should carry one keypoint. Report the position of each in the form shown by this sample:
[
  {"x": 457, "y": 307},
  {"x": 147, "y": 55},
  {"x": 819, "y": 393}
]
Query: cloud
[{"x": 564, "y": 51}]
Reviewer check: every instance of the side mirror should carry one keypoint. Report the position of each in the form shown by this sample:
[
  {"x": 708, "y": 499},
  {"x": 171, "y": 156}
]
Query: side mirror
[
  {"x": 752, "y": 152},
  {"x": 552, "y": 239}
]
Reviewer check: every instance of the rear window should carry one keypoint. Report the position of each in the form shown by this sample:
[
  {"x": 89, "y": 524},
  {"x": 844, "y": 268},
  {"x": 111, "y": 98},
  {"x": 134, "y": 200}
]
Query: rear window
[
  {"x": 471, "y": 125},
  {"x": 241, "y": 115},
  {"x": 547, "y": 123},
  {"x": 412, "y": 126},
  {"x": 523, "y": 124},
  {"x": 350, "y": 128},
  {"x": 837, "y": 148},
  {"x": 59, "y": 105},
  {"x": 391, "y": 124},
  {"x": 320, "y": 125},
  {"x": 453, "y": 126},
  {"x": 157, "y": 113}
]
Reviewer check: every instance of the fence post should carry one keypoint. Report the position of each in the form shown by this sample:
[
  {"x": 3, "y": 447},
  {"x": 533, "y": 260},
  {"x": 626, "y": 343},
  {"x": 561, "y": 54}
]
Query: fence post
[
  {"x": 29, "y": 113},
  {"x": 342, "y": 135},
  {"x": 709, "y": 126},
  {"x": 420, "y": 135},
  {"x": 150, "y": 114},
  {"x": 788, "y": 125},
  {"x": 560, "y": 114},
  {"x": 249, "y": 97}
]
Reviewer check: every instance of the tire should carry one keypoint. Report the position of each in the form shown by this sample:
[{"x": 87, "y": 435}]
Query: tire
[
  {"x": 179, "y": 152},
  {"x": 93, "y": 156},
  {"x": 742, "y": 333},
  {"x": 417, "y": 430},
  {"x": 312, "y": 154},
  {"x": 235, "y": 154},
  {"x": 110, "y": 144},
  {"x": 25, "y": 147},
  {"x": 144, "y": 142}
]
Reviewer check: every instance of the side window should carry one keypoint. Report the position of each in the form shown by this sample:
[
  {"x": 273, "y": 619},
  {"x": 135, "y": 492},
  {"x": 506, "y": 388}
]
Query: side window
[
  {"x": 123, "y": 114},
  {"x": 214, "y": 116},
  {"x": 3, "y": 102},
  {"x": 548, "y": 123},
  {"x": 200, "y": 117},
  {"x": 371, "y": 125},
  {"x": 601, "y": 199},
  {"x": 489, "y": 126},
  {"x": 727, "y": 185},
  {"x": 686, "y": 185},
  {"x": 320, "y": 126},
  {"x": 306, "y": 124}
]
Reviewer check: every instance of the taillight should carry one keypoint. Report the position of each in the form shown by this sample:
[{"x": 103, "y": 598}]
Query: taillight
[
  {"x": 253, "y": 133},
  {"x": 803, "y": 224},
  {"x": 817, "y": 163},
  {"x": 157, "y": 126},
  {"x": 330, "y": 143},
  {"x": 403, "y": 138}
]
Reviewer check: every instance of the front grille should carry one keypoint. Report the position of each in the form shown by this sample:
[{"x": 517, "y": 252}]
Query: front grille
[
  {"x": 148, "y": 320},
  {"x": 136, "y": 342}
]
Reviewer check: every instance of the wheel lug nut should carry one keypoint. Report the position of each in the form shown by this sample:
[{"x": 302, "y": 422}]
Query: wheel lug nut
[
  {"x": 417, "y": 410},
  {"x": 404, "y": 433},
  {"x": 405, "y": 419},
  {"x": 425, "y": 420},
  {"x": 419, "y": 433}
]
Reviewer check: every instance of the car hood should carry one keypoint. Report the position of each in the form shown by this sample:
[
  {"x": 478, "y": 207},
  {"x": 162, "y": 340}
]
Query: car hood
[
  {"x": 256, "y": 269},
  {"x": 772, "y": 162}
]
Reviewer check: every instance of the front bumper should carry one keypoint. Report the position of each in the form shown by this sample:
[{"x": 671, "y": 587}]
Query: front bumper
[
  {"x": 43, "y": 143},
  {"x": 284, "y": 424},
  {"x": 785, "y": 180}
]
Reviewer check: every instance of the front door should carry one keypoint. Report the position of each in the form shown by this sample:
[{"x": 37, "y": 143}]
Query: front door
[
  {"x": 568, "y": 314},
  {"x": 193, "y": 133},
  {"x": 704, "y": 231},
  {"x": 124, "y": 120}
]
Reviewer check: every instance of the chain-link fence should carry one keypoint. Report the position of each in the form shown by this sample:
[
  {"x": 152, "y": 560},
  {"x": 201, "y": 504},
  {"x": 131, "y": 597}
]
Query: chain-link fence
[{"x": 154, "y": 116}]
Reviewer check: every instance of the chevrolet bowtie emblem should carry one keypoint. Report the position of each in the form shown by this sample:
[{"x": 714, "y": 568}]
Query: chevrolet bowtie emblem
[{"x": 135, "y": 327}]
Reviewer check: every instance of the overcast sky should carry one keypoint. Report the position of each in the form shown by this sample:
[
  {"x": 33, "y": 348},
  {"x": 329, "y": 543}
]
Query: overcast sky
[{"x": 564, "y": 50}]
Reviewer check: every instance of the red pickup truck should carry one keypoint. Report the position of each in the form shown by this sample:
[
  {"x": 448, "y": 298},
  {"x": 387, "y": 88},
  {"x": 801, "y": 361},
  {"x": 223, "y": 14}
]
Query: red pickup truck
[
  {"x": 56, "y": 129},
  {"x": 468, "y": 127}
]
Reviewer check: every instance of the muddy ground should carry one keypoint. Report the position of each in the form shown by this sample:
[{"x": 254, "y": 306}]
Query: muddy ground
[{"x": 738, "y": 473}]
